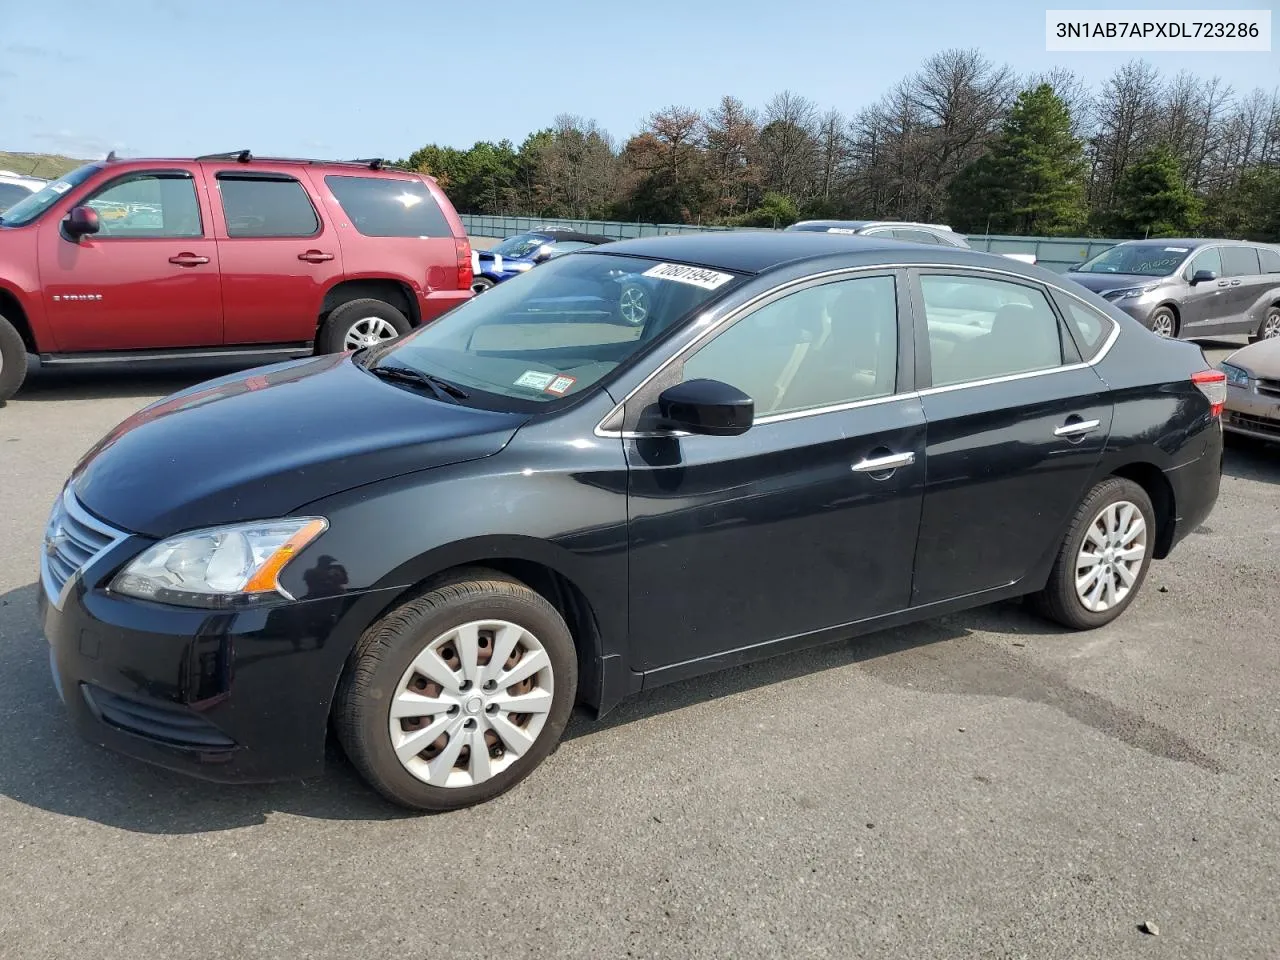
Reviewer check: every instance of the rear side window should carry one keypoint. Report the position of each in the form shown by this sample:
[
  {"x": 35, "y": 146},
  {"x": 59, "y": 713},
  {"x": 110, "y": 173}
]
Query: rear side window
[
  {"x": 378, "y": 207},
  {"x": 266, "y": 206},
  {"x": 1269, "y": 260},
  {"x": 1240, "y": 262}
]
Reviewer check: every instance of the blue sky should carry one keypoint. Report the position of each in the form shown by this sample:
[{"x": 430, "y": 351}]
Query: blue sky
[{"x": 341, "y": 79}]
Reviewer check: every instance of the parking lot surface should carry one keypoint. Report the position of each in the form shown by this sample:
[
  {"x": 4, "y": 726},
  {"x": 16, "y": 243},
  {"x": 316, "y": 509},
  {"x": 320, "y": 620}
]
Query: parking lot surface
[{"x": 981, "y": 785}]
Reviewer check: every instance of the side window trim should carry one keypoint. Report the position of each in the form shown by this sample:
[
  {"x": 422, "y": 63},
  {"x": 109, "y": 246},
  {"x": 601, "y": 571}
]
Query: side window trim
[
  {"x": 174, "y": 173},
  {"x": 272, "y": 176}
]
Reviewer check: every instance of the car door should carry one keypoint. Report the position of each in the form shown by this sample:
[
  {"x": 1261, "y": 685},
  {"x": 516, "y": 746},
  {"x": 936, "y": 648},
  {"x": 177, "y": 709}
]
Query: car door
[
  {"x": 1243, "y": 271},
  {"x": 278, "y": 255},
  {"x": 147, "y": 280},
  {"x": 1015, "y": 427},
  {"x": 1204, "y": 305},
  {"x": 806, "y": 521}
]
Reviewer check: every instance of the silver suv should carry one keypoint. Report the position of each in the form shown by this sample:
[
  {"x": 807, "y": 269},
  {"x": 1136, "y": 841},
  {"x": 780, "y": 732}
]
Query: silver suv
[
  {"x": 897, "y": 229},
  {"x": 1190, "y": 288},
  {"x": 17, "y": 186}
]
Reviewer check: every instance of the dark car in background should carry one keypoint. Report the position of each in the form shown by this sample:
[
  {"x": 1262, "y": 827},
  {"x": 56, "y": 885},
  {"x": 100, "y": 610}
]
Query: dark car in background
[
  {"x": 436, "y": 546},
  {"x": 524, "y": 251},
  {"x": 1190, "y": 288}
]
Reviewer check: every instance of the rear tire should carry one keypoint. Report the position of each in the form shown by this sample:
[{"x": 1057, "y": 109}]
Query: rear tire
[
  {"x": 1163, "y": 322},
  {"x": 1269, "y": 328},
  {"x": 421, "y": 651},
  {"x": 13, "y": 360},
  {"x": 1100, "y": 540},
  {"x": 481, "y": 284},
  {"x": 361, "y": 323}
]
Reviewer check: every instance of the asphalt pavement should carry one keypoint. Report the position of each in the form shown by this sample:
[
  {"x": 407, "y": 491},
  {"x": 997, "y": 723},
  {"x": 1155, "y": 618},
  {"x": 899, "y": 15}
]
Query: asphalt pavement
[{"x": 981, "y": 785}]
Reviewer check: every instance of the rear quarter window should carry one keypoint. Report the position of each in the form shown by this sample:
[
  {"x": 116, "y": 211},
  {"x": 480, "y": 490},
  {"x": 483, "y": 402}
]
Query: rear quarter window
[
  {"x": 1089, "y": 327},
  {"x": 1270, "y": 260},
  {"x": 381, "y": 207}
]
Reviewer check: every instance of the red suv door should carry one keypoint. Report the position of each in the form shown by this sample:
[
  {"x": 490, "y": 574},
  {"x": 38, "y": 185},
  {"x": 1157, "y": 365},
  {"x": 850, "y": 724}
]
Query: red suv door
[
  {"x": 278, "y": 255},
  {"x": 147, "y": 279}
]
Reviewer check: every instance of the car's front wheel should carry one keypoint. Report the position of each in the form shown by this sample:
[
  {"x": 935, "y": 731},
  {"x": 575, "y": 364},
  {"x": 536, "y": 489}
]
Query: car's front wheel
[
  {"x": 1163, "y": 322},
  {"x": 13, "y": 360},
  {"x": 458, "y": 695},
  {"x": 1103, "y": 559}
]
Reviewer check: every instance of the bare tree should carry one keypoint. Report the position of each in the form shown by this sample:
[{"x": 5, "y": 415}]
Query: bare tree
[
  {"x": 788, "y": 145},
  {"x": 1128, "y": 115},
  {"x": 731, "y": 136}
]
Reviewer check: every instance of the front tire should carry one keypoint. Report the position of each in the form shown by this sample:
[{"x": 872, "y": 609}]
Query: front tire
[
  {"x": 457, "y": 696},
  {"x": 1104, "y": 557},
  {"x": 13, "y": 360},
  {"x": 1163, "y": 322},
  {"x": 361, "y": 323}
]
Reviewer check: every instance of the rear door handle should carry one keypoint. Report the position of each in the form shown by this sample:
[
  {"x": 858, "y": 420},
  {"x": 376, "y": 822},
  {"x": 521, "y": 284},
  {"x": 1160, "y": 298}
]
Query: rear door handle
[
  {"x": 891, "y": 461},
  {"x": 1235, "y": 283},
  {"x": 315, "y": 256},
  {"x": 188, "y": 260},
  {"x": 1077, "y": 428}
]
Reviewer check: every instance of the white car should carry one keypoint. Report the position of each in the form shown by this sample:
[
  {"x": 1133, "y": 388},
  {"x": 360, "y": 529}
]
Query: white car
[{"x": 17, "y": 186}]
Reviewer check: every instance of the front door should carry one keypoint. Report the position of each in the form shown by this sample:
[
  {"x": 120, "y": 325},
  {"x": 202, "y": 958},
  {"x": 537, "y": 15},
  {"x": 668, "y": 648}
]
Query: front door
[
  {"x": 806, "y": 521},
  {"x": 1016, "y": 426},
  {"x": 147, "y": 280},
  {"x": 1207, "y": 304}
]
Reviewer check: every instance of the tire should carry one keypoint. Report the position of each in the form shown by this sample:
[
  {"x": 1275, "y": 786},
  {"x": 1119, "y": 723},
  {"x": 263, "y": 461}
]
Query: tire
[
  {"x": 1059, "y": 600},
  {"x": 1161, "y": 319},
  {"x": 13, "y": 360},
  {"x": 343, "y": 330},
  {"x": 1269, "y": 328},
  {"x": 481, "y": 284},
  {"x": 383, "y": 670}
]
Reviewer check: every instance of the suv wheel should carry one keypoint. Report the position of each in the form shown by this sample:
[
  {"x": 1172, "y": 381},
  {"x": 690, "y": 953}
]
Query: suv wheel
[
  {"x": 1163, "y": 323},
  {"x": 457, "y": 696},
  {"x": 13, "y": 360},
  {"x": 360, "y": 323}
]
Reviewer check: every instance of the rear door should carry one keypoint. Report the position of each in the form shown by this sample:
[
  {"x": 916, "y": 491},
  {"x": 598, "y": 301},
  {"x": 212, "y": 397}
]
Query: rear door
[
  {"x": 1243, "y": 271},
  {"x": 1016, "y": 425},
  {"x": 278, "y": 254}
]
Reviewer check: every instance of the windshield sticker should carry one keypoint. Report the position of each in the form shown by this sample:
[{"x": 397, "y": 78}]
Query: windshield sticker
[
  {"x": 536, "y": 380},
  {"x": 697, "y": 276},
  {"x": 560, "y": 385},
  {"x": 59, "y": 187},
  {"x": 840, "y": 230},
  {"x": 1176, "y": 249}
]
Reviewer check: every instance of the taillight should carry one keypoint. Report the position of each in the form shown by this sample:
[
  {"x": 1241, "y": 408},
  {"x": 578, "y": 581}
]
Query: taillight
[
  {"x": 1213, "y": 384},
  {"x": 463, "y": 248}
]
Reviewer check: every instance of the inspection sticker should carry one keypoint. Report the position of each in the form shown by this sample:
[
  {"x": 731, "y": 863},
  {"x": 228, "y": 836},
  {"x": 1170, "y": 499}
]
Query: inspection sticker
[
  {"x": 697, "y": 276},
  {"x": 536, "y": 380},
  {"x": 560, "y": 385},
  {"x": 59, "y": 186}
]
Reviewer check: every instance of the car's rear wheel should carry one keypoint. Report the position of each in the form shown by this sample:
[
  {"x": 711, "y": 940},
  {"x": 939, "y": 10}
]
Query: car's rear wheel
[
  {"x": 481, "y": 284},
  {"x": 458, "y": 695},
  {"x": 1104, "y": 557},
  {"x": 1269, "y": 328},
  {"x": 13, "y": 360},
  {"x": 361, "y": 323},
  {"x": 1163, "y": 322}
]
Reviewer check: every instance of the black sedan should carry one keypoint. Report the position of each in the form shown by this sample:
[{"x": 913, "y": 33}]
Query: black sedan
[{"x": 438, "y": 545}]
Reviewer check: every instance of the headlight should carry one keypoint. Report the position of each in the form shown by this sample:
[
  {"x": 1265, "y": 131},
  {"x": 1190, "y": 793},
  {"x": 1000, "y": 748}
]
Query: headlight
[
  {"x": 1127, "y": 293},
  {"x": 1235, "y": 375},
  {"x": 220, "y": 566}
]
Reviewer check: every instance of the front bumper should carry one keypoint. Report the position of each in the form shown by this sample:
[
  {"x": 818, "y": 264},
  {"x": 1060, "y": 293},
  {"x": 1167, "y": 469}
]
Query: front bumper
[{"x": 1252, "y": 413}]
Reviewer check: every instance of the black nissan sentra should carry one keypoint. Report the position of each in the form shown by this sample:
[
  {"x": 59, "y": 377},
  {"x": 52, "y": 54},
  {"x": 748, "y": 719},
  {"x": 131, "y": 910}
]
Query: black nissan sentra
[{"x": 633, "y": 465}]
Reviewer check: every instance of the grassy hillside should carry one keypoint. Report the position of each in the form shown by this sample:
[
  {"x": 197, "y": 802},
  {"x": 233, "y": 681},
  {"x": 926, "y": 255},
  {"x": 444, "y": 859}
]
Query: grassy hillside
[{"x": 47, "y": 165}]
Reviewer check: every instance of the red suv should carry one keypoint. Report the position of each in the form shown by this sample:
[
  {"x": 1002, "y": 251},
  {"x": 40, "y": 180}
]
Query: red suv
[{"x": 226, "y": 254}]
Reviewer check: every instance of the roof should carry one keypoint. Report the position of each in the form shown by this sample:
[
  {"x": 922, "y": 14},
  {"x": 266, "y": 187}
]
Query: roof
[
  {"x": 863, "y": 224},
  {"x": 557, "y": 234},
  {"x": 247, "y": 156},
  {"x": 756, "y": 251},
  {"x": 1189, "y": 242}
]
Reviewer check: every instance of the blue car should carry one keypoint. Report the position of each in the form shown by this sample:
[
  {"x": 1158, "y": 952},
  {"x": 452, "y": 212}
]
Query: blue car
[{"x": 523, "y": 252}]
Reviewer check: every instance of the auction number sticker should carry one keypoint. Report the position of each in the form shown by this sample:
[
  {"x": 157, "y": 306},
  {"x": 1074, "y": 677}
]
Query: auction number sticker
[
  {"x": 560, "y": 385},
  {"x": 535, "y": 380},
  {"x": 696, "y": 276}
]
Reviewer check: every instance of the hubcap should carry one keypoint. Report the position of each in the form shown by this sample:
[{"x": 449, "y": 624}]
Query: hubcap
[
  {"x": 633, "y": 305},
  {"x": 367, "y": 332},
  {"x": 1272, "y": 328},
  {"x": 1111, "y": 556},
  {"x": 471, "y": 704},
  {"x": 1162, "y": 324}
]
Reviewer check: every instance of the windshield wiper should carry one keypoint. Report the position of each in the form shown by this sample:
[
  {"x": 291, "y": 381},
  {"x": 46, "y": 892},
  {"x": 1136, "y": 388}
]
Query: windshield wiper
[{"x": 442, "y": 388}]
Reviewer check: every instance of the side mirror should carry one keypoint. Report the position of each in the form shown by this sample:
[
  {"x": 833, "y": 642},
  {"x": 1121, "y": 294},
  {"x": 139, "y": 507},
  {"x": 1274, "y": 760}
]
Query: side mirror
[
  {"x": 1203, "y": 276},
  {"x": 1073, "y": 268},
  {"x": 80, "y": 222},
  {"x": 706, "y": 407}
]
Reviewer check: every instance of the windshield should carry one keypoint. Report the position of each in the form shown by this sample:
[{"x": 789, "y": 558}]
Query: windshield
[
  {"x": 521, "y": 245},
  {"x": 555, "y": 331},
  {"x": 24, "y": 211},
  {"x": 1143, "y": 259}
]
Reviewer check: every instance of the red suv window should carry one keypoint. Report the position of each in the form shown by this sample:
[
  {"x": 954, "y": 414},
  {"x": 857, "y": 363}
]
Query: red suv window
[{"x": 382, "y": 207}]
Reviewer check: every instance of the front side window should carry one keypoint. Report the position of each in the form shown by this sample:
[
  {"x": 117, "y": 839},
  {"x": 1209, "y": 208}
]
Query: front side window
[
  {"x": 1210, "y": 260},
  {"x": 27, "y": 210},
  {"x": 980, "y": 329},
  {"x": 819, "y": 347},
  {"x": 148, "y": 205},
  {"x": 383, "y": 207},
  {"x": 1240, "y": 262},
  {"x": 556, "y": 331},
  {"x": 1152, "y": 259},
  {"x": 266, "y": 206}
]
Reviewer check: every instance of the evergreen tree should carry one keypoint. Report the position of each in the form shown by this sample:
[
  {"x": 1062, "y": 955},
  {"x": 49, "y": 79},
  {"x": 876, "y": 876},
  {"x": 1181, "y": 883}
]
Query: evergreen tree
[{"x": 1153, "y": 199}]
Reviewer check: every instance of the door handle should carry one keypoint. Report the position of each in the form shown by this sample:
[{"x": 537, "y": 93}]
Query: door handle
[
  {"x": 315, "y": 256},
  {"x": 1076, "y": 428},
  {"x": 1222, "y": 283},
  {"x": 1235, "y": 283},
  {"x": 891, "y": 461},
  {"x": 188, "y": 260}
]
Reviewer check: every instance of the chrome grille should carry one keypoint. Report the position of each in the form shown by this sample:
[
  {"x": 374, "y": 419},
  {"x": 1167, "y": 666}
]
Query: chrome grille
[
  {"x": 72, "y": 538},
  {"x": 1269, "y": 387}
]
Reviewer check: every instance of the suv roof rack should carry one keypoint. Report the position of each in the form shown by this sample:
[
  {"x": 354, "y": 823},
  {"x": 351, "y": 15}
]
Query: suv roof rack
[{"x": 246, "y": 156}]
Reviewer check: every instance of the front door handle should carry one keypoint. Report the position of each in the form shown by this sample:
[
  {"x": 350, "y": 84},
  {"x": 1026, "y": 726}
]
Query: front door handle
[
  {"x": 188, "y": 260},
  {"x": 890, "y": 461},
  {"x": 1222, "y": 283},
  {"x": 1076, "y": 428},
  {"x": 1235, "y": 283},
  {"x": 315, "y": 256}
]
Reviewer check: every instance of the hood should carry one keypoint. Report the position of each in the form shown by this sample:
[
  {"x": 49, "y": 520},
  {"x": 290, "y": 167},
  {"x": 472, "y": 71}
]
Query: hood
[
  {"x": 1261, "y": 359},
  {"x": 261, "y": 444},
  {"x": 1102, "y": 282}
]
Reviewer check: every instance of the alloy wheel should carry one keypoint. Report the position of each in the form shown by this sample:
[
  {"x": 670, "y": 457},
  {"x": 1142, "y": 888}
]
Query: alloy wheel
[
  {"x": 471, "y": 704},
  {"x": 367, "y": 332},
  {"x": 1162, "y": 324},
  {"x": 1111, "y": 556},
  {"x": 1271, "y": 328}
]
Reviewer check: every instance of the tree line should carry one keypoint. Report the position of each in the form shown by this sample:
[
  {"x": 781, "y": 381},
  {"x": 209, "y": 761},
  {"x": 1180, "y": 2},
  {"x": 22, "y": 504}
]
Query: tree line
[{"x": 962, "y": 140}]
